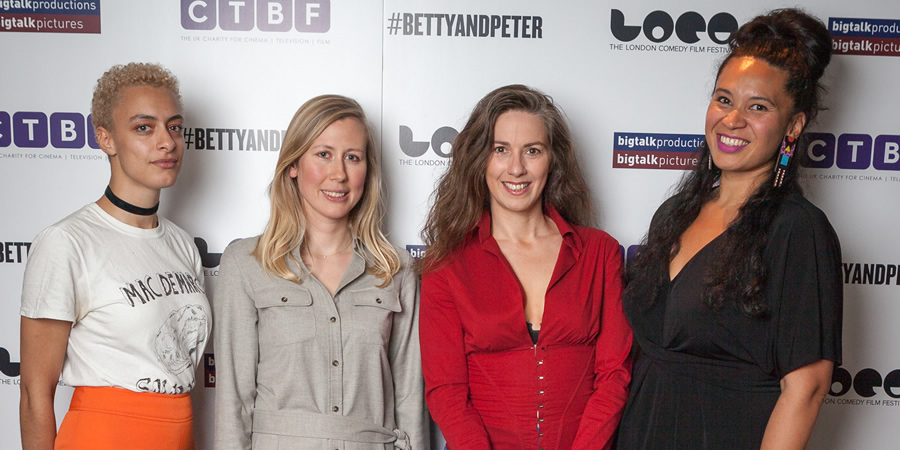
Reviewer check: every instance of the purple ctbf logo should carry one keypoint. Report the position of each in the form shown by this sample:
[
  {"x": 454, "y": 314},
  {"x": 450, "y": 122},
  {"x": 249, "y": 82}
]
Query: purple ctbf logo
[
  {"x": 305, "y": 16},
  {"x": 30, "y": 129}
]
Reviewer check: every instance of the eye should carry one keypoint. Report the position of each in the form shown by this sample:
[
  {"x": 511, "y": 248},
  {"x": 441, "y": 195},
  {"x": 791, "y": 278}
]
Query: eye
[
  {"x": 533, "y": 151},
  {"x": 323, "y": 154},
  {"x": 758, "y": 107},
  {"x": 353, "y": 157},
  {"x": 142, "y": 128},
  {"x": 723, "y": 100},
  {"x": 176, "y": 128},
  {"x": 500, "y": 149}
]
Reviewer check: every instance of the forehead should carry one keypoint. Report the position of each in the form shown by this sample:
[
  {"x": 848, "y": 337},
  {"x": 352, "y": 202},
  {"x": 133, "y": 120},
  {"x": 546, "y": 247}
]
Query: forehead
[
  {"x": 522, "y": 124},
  {"x": 754, "y": 74},
  {"x": 154, "y": 100}
]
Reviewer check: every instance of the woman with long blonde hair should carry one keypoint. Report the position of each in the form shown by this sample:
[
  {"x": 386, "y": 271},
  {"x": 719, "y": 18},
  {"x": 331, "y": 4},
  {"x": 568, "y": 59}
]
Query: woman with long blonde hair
[{"x": 317, "y": 344}]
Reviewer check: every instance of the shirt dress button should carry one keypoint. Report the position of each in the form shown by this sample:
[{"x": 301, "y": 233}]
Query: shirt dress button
[
  {"x": 332, "y": 319},
  {"x": 335, "y": 363},
  {"x": 378, "y": 300},
  {"x": 283, "y": 299},
  {"x": 335, "y": 408}
]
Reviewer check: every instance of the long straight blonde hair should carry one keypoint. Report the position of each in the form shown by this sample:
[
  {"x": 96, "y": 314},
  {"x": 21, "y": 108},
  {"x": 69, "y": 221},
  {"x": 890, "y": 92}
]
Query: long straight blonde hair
[{"x": 286, "y": 230}]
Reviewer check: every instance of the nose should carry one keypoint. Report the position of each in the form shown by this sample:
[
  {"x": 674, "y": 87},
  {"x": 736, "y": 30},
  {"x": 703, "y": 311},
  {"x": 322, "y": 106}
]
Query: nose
[
  {"x": 167, "y": 143},
  {"x": 516, "y": 166},
  {"x": 734, "y": 119},
  {"x": 339, "y": 170}
]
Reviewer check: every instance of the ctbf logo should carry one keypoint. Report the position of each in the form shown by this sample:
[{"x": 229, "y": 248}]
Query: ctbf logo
[
  {"x": 853, "y": 151},
  {"x": 33, "y": 129},
  {"x": 658, "y": 27},
  {"x": 305, "y": 16},
  {"x": 441, "y": 142}
]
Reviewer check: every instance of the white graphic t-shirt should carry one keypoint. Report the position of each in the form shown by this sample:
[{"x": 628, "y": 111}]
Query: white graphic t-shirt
[{"x": 136, "y": 299}]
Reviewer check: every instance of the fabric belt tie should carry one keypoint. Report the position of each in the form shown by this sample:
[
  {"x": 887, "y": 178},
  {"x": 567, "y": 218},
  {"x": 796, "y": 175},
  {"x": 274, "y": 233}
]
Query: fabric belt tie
[
  {"x": 708, "y": 371},
  {"x": 319, "y": 426}
]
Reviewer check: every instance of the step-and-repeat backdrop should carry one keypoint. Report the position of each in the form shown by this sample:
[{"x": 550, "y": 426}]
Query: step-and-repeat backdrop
[{"x": 633, "y": 77}]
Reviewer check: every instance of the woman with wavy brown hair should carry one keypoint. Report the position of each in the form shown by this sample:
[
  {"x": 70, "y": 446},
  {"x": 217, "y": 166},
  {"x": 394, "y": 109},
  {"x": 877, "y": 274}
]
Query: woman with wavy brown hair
[
  {"x": 317, "y": 343},
  {"x": 524, "y": 342}
]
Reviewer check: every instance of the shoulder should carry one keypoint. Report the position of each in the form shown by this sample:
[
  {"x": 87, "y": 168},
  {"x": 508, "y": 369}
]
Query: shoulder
[
  {"x": 404, "y": 257},
  {"x": 175, "y": 230},
  {"x": 67, "y": 230},
  {"x": 797, "y": 214},
  {"x": 241, "y": 248},
  {"x": 595, "y": 236}
]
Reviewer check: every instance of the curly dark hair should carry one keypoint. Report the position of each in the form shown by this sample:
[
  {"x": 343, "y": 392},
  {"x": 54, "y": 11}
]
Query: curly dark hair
[{"x": 800, "y": 45}]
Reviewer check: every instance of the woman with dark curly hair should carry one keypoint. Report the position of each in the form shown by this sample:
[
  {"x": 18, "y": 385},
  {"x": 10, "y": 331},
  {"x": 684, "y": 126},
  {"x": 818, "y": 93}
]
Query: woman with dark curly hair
[
  {"x": 524, "y": 342},
  {"x": 736, "y": 297}
]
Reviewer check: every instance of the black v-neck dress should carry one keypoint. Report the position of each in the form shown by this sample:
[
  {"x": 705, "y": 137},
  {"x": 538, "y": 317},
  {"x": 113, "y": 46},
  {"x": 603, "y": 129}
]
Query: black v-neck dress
[{"x": 710, "y": 380}]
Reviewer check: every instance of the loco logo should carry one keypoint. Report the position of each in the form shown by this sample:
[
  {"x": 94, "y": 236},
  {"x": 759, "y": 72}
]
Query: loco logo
[
  {"x": 441, "y": 137},
  {"x": 853, "y": 151},
  {"x": 207, "y": 260},
  {"x": 864, "y": 383},
  {"x": 7, "y": 367},
  {"x": 33, "y": 129},
  {"x": 686, "y": 28},
  {"x": 305, "y": 16}
]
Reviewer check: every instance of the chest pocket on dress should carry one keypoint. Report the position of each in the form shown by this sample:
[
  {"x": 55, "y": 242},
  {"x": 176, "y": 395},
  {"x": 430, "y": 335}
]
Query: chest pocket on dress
[
  {"x": 373, "y": 314},
  {"x": 286, "y": 316}
]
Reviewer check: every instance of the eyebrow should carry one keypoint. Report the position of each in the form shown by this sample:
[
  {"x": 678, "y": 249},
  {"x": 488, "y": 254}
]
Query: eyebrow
[
  {"x": 758, "y": 97},
  {"x": 529, "y": 144},
  {"x": 328, "y": 147},
  {"x": 149, "y": 117}
]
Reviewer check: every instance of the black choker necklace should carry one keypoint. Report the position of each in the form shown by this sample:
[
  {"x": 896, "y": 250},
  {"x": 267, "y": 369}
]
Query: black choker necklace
[{"x": 128, "y": 207}]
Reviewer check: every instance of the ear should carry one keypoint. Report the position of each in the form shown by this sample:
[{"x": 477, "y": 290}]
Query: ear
[
  {"x": 294, "y": 170},
  {"x": 796, "y": 125},
  {"x": 104, "y": 138}
]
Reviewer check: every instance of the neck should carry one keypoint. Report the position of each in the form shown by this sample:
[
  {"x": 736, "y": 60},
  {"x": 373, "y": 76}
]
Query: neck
[
  {"x": 145, "y": 222},
  {"x": 520, "y": 226},
  {"x": 327, "y": 239},
  {"x": 145, "y": 198},
  {"x": 736, "y": 188}
]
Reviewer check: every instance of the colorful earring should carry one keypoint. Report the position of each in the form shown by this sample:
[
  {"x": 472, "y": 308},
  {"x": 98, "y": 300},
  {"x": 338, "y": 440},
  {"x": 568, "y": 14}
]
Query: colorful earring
[{"x": 784, "y": 158}]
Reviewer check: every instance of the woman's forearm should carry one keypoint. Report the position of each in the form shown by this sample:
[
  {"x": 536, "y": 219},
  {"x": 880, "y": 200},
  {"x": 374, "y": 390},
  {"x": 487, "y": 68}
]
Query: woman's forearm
[{"x": 802, "y": 393}]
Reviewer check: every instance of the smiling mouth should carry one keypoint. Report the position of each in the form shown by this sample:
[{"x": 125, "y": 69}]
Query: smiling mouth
[
  {"x": 334, "y": 194},
  {"x": 732, "y": 142},
  {"x": 516, "y": 187}
]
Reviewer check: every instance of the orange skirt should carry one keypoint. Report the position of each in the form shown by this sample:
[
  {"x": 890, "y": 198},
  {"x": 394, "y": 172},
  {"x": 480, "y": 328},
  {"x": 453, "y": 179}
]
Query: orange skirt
[{"x": 107, "y": 418}]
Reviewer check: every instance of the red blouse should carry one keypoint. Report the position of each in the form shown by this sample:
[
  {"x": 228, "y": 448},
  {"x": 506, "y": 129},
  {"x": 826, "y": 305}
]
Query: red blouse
[{"x": 487, "y": 386}]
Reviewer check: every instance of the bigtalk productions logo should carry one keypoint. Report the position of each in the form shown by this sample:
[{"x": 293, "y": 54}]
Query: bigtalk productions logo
[{"x": 305, "y": 16}]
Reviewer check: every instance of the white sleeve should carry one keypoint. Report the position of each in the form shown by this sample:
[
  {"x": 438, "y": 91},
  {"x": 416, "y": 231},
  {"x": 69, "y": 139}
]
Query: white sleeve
[{"x": 54, "y": 286}]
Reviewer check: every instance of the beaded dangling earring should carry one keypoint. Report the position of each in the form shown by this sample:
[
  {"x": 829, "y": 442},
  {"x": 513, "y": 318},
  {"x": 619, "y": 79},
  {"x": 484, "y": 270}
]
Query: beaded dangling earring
[
  {"x": 784, "y": 158},
  {"x": 709, "y": 165}
]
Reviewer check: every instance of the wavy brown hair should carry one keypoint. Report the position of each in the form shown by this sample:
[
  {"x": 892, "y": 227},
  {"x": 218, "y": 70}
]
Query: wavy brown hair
[{"x": 462, "y": 194}]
